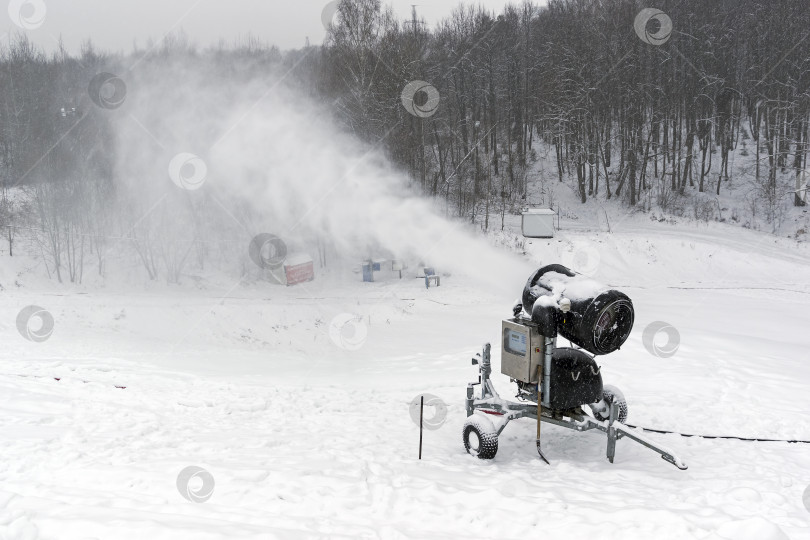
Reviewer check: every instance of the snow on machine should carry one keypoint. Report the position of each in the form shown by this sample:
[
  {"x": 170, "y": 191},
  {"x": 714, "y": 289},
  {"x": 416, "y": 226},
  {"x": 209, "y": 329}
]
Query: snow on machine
[{"x": 555, "y": 383}]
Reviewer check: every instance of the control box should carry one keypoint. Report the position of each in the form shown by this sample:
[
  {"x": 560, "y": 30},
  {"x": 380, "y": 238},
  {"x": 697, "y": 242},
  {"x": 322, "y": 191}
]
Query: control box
[{"x": 522, "y": 350}]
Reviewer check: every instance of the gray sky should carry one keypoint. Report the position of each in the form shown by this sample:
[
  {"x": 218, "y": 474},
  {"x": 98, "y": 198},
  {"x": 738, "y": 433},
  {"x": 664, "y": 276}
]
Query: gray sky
[{"x": 114, "y": 25}]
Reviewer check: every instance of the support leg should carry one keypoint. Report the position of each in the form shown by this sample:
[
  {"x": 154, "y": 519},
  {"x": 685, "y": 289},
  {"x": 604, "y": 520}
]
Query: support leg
[
  {"x": 611, "y": 433},
  {"x": 539, "y": 415}
]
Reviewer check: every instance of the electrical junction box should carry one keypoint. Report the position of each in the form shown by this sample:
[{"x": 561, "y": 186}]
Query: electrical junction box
[{"x": 522, "y": 350}]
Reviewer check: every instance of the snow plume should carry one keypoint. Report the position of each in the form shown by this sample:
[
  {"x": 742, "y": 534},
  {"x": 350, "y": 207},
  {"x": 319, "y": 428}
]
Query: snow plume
[{"x": 275, "y": 161}]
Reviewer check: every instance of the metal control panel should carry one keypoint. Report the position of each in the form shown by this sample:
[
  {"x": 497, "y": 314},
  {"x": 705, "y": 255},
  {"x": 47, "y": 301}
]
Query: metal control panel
[{"x": 522, "y": 350}]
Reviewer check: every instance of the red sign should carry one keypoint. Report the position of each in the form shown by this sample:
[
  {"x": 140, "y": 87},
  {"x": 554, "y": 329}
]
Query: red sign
[{"x": 299, "y": 273}]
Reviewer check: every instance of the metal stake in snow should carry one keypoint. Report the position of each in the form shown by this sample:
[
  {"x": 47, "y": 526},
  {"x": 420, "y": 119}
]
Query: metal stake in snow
[{"x": 421, "y": 415}]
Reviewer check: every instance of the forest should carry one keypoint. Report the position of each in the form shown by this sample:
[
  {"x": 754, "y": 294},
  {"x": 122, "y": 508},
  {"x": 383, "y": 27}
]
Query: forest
[
  {"x": 627, "y": 112},
  {"x": 643, "y": 103}
]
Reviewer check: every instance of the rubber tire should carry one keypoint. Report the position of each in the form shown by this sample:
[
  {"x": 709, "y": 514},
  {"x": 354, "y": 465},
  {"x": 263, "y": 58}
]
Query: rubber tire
[
  {"x": 486, "y": 433},
  {"x": 611, "y": 394}
]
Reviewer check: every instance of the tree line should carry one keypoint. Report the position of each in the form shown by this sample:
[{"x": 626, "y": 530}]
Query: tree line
[{"x": 631, "y": 106}]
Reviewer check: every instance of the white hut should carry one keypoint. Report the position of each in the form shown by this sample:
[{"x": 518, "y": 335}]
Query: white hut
[{"x": 538, "y": 223}]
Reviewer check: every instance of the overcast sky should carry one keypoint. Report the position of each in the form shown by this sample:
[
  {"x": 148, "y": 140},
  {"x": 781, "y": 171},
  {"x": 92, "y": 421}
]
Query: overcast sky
[{"x": 114, "y": 25}]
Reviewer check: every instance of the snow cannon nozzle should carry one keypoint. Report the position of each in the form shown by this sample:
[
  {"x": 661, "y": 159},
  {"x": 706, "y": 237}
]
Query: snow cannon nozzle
[{"x": 587, "y": 313}]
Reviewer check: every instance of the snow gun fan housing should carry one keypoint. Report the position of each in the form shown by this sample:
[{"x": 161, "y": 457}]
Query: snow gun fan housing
[{"x": 581, "y": 310}]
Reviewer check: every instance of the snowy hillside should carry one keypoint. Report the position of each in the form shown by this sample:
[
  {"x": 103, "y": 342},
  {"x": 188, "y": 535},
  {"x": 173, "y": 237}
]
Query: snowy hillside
[
  {"x": 231, "y": 274},
  {"x": 304, "y": 427}
]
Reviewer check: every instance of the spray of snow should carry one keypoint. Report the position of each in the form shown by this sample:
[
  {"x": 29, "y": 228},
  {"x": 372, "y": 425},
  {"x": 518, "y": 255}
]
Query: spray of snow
[{"x": 282, "y": 154}]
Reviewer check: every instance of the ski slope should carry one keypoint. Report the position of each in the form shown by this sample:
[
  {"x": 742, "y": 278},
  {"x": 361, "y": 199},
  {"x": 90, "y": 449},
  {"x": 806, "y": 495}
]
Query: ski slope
[{"x": 308, "y": 435}]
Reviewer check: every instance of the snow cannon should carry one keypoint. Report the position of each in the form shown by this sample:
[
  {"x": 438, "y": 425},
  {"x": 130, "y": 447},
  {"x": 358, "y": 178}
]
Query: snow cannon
[
  {"x": 556, "y": 385},
  {"x": 582, "y": 310}
]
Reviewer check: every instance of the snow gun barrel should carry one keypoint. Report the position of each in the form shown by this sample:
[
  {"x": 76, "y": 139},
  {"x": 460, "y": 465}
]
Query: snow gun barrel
[{"x": 596, "y": 318}]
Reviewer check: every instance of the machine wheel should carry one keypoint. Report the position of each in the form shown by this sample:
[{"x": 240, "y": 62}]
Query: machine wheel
[
  {"x": 611, "y": 394},
  {"x": 480, "y": 437}
]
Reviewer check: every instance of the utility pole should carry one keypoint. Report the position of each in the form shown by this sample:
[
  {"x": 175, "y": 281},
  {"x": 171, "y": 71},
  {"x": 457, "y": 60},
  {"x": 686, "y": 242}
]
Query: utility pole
[{"x": 414, "y": 22}]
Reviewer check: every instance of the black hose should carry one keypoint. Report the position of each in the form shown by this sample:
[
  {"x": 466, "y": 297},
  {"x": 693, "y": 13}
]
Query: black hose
[{"x": 753, "y": 439}]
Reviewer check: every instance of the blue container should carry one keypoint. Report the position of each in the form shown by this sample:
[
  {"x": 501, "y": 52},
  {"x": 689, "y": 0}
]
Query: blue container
[{"x": 368, "y": 272}]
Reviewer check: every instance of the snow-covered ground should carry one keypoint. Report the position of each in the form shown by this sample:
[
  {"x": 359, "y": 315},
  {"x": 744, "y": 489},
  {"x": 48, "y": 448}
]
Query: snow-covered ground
[{"x": 305, "y": 429}]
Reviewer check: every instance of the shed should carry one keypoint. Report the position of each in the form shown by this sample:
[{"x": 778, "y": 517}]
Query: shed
[{"x": 538, "y": 223}]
